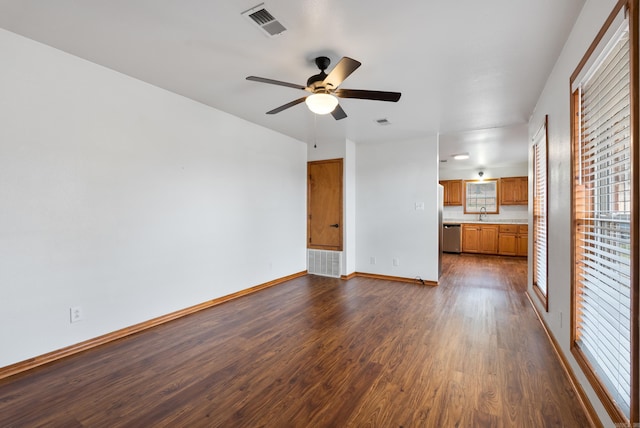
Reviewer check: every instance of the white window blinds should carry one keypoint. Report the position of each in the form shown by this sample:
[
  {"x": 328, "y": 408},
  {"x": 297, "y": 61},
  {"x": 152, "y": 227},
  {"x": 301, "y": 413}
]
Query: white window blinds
[
  {"x": 540, "y": 211},
  {"x": 602, "y": 209}
]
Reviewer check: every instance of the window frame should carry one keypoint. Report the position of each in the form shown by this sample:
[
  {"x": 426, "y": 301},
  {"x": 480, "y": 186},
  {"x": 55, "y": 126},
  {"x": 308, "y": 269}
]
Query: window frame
[
  {"x": 631, "y": 9},
  {"x": 494, "y": 193},
  {"x": 541, "y": 138}
]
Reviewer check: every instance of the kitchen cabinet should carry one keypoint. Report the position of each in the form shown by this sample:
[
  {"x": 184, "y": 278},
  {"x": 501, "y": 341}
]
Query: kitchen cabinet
[
  {"x": 503, "y": 239},
  {"x": 522, "y": 247},
  {"x": 514, "y": 191},
  {"x": 513, "y": 240},
  {"x": 480, "y": 238},
  {"x": 452, "y": 192},
  {"x": 470, "y": 238}
]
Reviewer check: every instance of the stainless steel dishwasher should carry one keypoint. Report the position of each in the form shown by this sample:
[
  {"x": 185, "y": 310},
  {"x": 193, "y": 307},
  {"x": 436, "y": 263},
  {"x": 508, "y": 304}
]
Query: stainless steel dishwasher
[{"x": 451, "y": 238}]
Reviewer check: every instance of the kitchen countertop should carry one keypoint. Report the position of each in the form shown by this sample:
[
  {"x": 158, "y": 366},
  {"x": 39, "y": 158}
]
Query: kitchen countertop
[{"x": 500, "y": 221}]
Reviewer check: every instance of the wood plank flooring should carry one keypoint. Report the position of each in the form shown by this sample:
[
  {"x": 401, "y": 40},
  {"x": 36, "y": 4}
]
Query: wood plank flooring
[{"x": 321, "y": 352}]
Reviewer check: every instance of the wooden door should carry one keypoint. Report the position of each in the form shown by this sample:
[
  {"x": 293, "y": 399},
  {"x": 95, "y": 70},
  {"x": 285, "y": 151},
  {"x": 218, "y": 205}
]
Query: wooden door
[
  {"x": 507, "y": 244},
  {"x": 452, "y": 192},
  {"x": 523, "y": 241},
  {"x": 445, "y": 195},
  {"x": 508, "y": 189},
  {"x": 455, "y": 192},
  {"x": 489, "y": 239},
  {"x": 470, "y": 238},
  {"x": 324, "y": 204},
  {"x": 523, "y": 246},
  {"x": 523, "y": 190},
  {"x": 514, "y": 191}
]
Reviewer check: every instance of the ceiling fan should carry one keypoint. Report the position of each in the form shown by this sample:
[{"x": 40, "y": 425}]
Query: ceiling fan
[{"x": 324, "y": 89}]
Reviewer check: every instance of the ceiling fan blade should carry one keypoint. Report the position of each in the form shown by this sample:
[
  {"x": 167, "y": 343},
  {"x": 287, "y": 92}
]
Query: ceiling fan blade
[
  {"x": 368, "y": 95},
  {"x": 341, "y": 71},
  {"x": 276, "y": 82},
  {"x": 287, "y": 105},
  {"x": 338, "y": 113}
]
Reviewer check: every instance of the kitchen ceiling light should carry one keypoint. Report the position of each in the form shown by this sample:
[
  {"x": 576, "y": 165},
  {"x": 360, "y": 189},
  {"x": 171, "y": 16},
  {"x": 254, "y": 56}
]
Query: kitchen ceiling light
[
  {"x": 321, "y": 103},
  {"x": 461, "y": 156}
]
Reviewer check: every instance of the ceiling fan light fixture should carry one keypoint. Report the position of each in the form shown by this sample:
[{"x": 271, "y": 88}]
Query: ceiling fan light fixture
[{"x": 321, "y": 103}]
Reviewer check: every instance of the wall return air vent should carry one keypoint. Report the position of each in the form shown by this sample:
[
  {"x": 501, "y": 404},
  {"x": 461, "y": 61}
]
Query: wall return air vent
[
  {"x": 324, "y": 263},
  {"x": 260, "y": 16}
]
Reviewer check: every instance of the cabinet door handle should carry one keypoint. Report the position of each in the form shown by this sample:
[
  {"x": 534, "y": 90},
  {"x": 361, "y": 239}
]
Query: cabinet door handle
[{"x": 334, "y": 225}]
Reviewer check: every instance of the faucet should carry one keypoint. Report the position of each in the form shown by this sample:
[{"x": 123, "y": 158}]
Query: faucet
[{"x": 483, "y": 214}]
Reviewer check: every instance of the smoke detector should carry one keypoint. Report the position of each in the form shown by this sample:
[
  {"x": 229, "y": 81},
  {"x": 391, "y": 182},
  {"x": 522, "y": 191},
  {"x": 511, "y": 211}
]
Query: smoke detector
[{"x": 265, "y": 21}]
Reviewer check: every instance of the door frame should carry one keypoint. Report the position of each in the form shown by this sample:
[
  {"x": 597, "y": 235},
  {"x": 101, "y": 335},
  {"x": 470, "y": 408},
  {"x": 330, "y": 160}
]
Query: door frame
[{"x": 341, "y": 206}]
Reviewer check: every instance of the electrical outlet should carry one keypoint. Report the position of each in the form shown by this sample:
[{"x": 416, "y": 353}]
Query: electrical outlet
[
  {"x": 76, "y": 314},
  {"x": 396, "y": 262},
  {"x": 372, "y": 260}
]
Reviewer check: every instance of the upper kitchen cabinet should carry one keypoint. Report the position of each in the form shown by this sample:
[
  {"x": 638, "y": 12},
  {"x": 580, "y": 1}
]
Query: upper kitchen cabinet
[
  {"x": 452, "y": 192},
  {"x": 514, "y": 191}
]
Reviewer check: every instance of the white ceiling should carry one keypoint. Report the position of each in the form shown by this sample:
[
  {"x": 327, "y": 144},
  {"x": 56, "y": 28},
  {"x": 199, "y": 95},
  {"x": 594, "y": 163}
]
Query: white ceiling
[{"x": 467, "y": 69}]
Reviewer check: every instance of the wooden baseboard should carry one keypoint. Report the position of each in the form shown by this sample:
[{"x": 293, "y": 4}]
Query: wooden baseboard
[
  {"x": 50, "y": 357},
  {"x": 394, "y": 278},
  {"x": 582, "y": 396},
  {"x": 348, "y": 277}
]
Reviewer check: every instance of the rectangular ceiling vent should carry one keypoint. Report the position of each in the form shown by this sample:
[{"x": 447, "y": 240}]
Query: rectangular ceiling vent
[
  {"x": 383, "y": 122},
  {"x": 264, "y": 20}
]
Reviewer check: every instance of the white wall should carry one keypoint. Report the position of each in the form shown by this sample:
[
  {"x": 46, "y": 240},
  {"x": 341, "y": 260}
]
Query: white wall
[
  {"x": 516, "y": 170},
  {"x": 554, "y": 101},
  {"x": 130, "y": 201},
  {"x": 350, "y": 191},
  {"x": 328, "y": 148},
  {"x": 391, "y": 178}
]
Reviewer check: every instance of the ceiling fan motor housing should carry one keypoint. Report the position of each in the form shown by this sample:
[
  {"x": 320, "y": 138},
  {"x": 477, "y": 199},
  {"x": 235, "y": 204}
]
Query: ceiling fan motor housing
[
  {"x": 323, "y": 63},
  {"x": 315, "y": 82}
]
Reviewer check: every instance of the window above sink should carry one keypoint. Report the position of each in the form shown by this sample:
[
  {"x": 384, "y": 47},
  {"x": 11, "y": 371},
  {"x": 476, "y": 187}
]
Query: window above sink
[{"x": 481, "y": 196}]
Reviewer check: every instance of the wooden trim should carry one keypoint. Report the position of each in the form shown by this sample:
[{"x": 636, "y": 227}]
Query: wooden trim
[
  {"x": 543, "y": 299},
  {"x": 50, "y": 357},
  {"x": 395, "y": 278},
  {"x": 348, "y": 277},
  {"x": 591, "y": 413},
  {"x": 633, "y": 12},
  {"x": 546, "y": 209},
  {"x": 341, "y": 207},
  {"x": 575, "y": 126},
  {"x": 605, "y": 397},
  {"x": 596, "y": 41},
  {"x": 543, "y": 296}
]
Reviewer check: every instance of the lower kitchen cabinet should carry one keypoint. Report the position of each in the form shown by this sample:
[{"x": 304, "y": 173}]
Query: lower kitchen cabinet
[
  {"x": 503, "y": 239},
  {"x": 507, "y": 244},
  {"x": 480, "y": 238},
  {"x": 513, "y": 240},
  {"x": 523, "y": 241}
]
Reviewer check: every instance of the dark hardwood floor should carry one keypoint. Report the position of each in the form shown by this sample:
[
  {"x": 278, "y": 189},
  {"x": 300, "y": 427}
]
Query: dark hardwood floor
[{"x": 320, "y": 352}]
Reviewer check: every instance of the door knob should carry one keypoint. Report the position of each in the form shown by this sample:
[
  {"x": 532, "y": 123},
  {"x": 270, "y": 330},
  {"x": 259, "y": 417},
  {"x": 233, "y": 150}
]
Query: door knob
[{"x": 334, "y": 225}]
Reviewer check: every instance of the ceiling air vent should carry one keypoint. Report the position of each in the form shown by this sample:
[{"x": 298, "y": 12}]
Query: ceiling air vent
[
  {"x": 264, "y": 19},
  {"x": 383, "y": 122}
]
